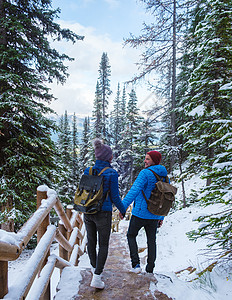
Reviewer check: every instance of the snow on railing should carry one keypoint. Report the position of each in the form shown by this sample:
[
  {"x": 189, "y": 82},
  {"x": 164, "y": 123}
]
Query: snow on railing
[{"x": 70, "y": 234}]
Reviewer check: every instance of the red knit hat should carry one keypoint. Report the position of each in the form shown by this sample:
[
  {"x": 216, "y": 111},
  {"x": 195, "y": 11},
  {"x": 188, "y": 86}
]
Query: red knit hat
[{"x": 155, "y": 156}]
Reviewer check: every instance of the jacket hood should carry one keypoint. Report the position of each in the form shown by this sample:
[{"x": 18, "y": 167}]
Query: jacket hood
[{"x": 159, "y": 169}]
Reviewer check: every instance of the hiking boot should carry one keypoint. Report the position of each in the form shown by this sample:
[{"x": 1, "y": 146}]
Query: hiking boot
[
  {"x": 136, "y": 269},
  {"x": 149, "y": 269},
  {"x": 97, "y": 282}
]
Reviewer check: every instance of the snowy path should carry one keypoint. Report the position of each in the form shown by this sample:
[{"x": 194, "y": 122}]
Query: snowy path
[
  {"x": 120, "y": 283},
  {"x": 175, "y": 253}
]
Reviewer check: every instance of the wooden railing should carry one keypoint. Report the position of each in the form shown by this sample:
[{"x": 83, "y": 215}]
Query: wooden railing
[{"x": 70, "y": 234}]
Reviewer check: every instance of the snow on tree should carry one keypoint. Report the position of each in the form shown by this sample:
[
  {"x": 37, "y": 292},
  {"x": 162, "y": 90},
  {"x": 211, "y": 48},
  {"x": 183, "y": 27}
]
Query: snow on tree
[
  {"x": 116, "y": 121},
  {"x": 130, "y": 160},
  {"x": 97, "y": 115},
  {"x": 104, "y": 90},
  {"x": 86, "y": 147},
  {"x": 208, "y": 131},
  {"x": 27, "y": 153},
  {"x": 75, "y": 163}
]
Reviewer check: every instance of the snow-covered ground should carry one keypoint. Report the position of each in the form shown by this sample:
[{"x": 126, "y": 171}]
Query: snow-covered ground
[{"x": 175, "y": 253}]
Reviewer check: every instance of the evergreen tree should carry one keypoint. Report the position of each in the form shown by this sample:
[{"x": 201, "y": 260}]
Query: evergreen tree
[
  {"x": 131, "y": 155},
  {"x": 65, "y": 161},
  {"x": 27, "y": 63},
  {"x": 116, "y": 121},
  {"x": 66, "y": 143},
  {"x": 97, "y": 115},
  {"x": 105, "y": 91},
  {"x": 86, "y": 149},
  {"x": 208, "y": 131},
  {"x": 75, "y": 154},
  {"x": 122, "y": 110},
  {"x": 187, "y": 64}
]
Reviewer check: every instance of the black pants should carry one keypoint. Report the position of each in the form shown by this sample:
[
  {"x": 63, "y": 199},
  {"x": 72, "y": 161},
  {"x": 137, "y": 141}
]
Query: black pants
[
  {"x": 150, "y": 227},
  {"x": 98, "y": 227}
]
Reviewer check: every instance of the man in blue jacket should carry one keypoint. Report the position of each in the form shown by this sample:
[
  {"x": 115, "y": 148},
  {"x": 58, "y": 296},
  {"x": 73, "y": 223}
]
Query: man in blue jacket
[
  {"x": 141, "y": 217},
  {"x": 99, "y": 225}
]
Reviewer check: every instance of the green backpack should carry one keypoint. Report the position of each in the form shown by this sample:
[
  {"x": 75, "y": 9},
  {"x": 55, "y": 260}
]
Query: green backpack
[
  {"x": 162, "y": 196},
  {"x": 89, "y": 194}
]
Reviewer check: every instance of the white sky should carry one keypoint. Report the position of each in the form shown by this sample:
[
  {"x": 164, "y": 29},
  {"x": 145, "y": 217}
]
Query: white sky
[{"x": 104, "y": 23}]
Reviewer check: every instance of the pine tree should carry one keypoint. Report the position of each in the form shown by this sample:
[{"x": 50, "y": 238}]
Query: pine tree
[
  {"x": 208, "y": 131},
  {"x": 27, "y": 63},
  {"x": 187, "y": 63},
  {"x": 122, "y": 110},
  {"x": 66, "y": 146},
  {"x": 86, "y": 149},
  {"x": 97, "y": 115},
  {"x": 75, "y": 153},
  {"x": 65, "y": 161},
  {"x": 131, "y": 155},
  {"x": 105, "y": 91},
  {"x": 116, "y": 121}
]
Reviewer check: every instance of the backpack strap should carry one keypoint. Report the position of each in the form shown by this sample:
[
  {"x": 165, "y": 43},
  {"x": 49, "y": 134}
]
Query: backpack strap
[
  {"x": 144, "y": 195},
  {"x": 103, "y": 170},
  {"x": 158, "y": 177},
  {"x": 91, "y": 171}
]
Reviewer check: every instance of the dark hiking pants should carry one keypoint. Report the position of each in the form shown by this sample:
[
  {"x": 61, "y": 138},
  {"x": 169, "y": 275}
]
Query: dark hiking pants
[
  {"x": 150, "y": 227},
  {"x": 98, "y": 227}
]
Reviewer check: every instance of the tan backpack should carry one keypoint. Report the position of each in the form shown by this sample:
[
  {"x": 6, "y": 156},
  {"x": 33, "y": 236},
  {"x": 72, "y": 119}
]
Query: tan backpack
[{"x": 162, "y": 196}]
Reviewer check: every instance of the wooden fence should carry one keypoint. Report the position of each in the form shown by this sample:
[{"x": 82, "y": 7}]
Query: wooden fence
[{"x": 70, "y": 234}]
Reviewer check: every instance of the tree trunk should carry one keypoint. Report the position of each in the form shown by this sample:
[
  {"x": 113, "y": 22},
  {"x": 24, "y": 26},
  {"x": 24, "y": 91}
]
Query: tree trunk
[
  {"x": 2, "y": 28},
  {"x": 173, "y": 115},
  {"x": 182, "y": 180},
  {"x": 210, "y": 156}
]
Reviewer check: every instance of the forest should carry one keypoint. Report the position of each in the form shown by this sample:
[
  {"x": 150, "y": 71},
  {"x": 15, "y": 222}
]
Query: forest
[{"x": 188, "y": 49}]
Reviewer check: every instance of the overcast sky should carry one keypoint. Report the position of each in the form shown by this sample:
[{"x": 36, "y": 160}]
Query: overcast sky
[{"x": 104, "y": 23}]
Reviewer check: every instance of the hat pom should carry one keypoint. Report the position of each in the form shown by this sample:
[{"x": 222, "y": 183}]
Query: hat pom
[{"x": 97, "y": 143}]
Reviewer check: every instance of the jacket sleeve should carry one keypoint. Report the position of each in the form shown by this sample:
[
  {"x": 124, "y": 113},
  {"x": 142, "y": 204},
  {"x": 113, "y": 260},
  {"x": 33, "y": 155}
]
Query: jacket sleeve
[
  {"x": 114, "y": 193},
  {"x": 137, "y": 187}
]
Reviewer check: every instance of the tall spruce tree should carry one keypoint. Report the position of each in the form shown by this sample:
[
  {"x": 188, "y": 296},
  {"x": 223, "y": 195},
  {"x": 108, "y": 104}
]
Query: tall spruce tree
[
  {"x": 116, "y": 121},
  {"x": 27, "y": 63},
  {"x": 66, "y": 142},
  {"x": 122, "y": 109},
  {"x": 131, "y": 152},
  {"x": 105, "y": 91},
  {"x": 86, "y": 149},
  {"x": 75, "y": 166},
  {"x": 65, "y": 161},
  {"x": 187, "y": 63},
  {"x": 208, "y": 130},
  {"x": 97, "y": 115}
]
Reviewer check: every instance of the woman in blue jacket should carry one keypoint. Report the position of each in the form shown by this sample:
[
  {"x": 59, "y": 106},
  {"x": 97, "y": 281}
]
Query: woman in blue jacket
[
  {"x": 99, "y": 225},
  {"x": 141, "y": 217}
]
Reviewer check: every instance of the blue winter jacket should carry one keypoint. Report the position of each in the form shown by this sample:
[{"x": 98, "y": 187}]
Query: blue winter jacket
[
  {"x": 144, "y": 182},
  {"x": 110, "y": 183}
]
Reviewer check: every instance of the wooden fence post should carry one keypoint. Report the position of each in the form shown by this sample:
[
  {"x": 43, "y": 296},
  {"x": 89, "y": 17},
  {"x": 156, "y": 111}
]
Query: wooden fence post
[
  {"x": 62, "y": 252},
  {"x": 3, "y": 278},
  {"x": 40, "y": 232}
]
